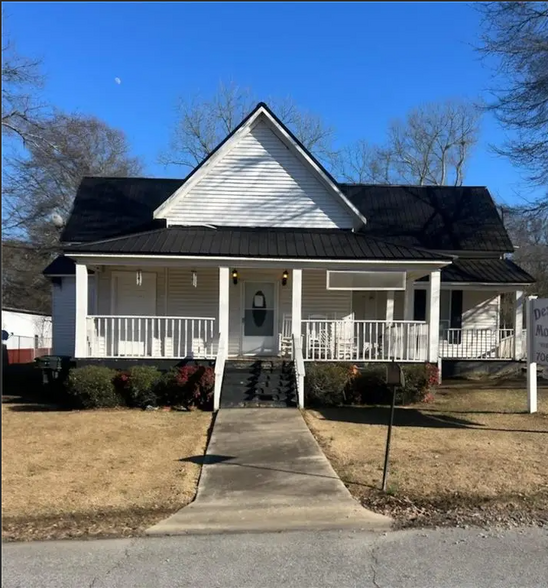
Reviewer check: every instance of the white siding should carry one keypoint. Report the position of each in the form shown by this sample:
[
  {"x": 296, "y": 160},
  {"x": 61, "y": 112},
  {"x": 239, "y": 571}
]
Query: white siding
[
  {"x": 260, "y": 182},
  {"x": 104, "y": 294},
  {"x": 371, "y": 306},
  {"x": 318, "y": 300},
  {"x": 183, "y": 299},
  {"x": 63, "y": 312},
  {"x": 480, "y": 310}
]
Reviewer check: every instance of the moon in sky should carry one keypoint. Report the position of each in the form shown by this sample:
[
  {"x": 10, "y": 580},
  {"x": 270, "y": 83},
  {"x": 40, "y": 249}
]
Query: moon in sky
[{"x": 118, "y": 80}]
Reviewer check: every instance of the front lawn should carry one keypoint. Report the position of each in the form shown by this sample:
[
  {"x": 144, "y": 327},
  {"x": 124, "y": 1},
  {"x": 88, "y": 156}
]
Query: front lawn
[
  {"x": 95, "y": 473},
  {"x": 471, "y": 456}
]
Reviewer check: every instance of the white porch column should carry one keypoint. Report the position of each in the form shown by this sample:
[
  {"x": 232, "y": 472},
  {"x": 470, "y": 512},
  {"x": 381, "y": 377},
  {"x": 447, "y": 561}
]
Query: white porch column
[
  {"x": 81, "y": 292},
  {"x": 434, "y": 316},
  {"x": 296, "y": 302},
  {"x": 518, "y": 325},
  {"x": 224, "y": 290},
  {"x": 409, "y": 301},
  {"x": 390, "y": 306}
]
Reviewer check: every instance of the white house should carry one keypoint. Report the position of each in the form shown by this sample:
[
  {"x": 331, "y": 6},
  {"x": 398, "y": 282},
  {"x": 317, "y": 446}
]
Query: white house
[
  {"x": 260, "y": 252},
  {"x": 26, "y": 334}
]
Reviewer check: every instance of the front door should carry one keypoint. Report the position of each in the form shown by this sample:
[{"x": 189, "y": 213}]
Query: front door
[{"x": 259, "y": 318}]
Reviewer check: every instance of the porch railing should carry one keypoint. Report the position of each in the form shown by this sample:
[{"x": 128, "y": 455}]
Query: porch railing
[
  {"x": 163, "y": 337},
  {"x": 478, "y": 344},
  {"x": 352, "y": 340}
]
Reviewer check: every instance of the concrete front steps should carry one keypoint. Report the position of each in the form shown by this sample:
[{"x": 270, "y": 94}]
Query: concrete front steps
[{"x": 259, "y": 383}]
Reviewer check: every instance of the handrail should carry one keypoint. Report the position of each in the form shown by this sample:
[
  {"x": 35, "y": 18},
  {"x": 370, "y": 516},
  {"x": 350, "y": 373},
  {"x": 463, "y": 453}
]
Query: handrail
[
  {"x": 477, "y": 343},
  {"x": 222, "y": 352},
  {"x": 299, "y": 367},
  {"x": 156, "y": 316},
  {"x": 364, "y": 340}
]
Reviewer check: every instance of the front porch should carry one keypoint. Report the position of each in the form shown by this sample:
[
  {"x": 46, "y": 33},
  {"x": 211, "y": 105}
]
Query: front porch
[
  {"x": 180, "y": 311},
  {"x": 189, "y": 312},
  {"x": 324, "y": 311}
]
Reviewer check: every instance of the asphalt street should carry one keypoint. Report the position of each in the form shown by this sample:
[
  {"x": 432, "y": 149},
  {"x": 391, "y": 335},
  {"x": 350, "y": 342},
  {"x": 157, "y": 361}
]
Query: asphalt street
[{"x": 439, "y": 558}]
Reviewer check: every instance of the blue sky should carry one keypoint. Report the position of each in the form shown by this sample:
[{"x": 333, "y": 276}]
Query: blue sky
[{"x": 357, "y": 65}]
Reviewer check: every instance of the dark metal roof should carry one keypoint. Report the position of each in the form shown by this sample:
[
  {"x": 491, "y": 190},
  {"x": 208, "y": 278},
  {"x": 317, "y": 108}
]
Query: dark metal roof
[
  {"x": 61, "y": 266},
  {"x": 108, "y": 207},
  {"x": 257, "y": 242},
  {"x": 450, "y": 218},
  {"x": 434, "y": 217},
  {"x": 486, "y": 271}
]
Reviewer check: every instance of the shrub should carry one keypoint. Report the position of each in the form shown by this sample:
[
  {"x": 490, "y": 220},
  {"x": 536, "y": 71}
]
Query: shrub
[
  {"x": 332, "y": 384},
  {"x": 93, "y": 387},
  {"x": 419, "y": 379},
  {"x": 139, "y": 385},
  {"x": 190, "y": 386},
  {"x": 370, "y": 386},
  {"x": 326, "y": 384}
]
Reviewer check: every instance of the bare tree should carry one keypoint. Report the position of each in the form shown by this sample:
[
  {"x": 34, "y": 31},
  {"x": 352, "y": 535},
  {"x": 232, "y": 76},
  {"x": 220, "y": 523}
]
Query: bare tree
[
  {"x": 516, "y": 35},
  {"x": 23, "y": 285},
  {"x": 529, "y": 233},
  {"x": 431, "y": 146},
  {"x": 364, "y": 163},
  {"x": 202, "y": 123},
  {"x": 22, "y": 109},
  {"x": 43, "y": 182}
]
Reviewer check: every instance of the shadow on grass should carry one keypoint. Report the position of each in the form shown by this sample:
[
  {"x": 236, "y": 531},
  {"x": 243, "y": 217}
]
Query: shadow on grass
[
  {"x": 38, "y": 408},
  {"x": 409, "y": 417}
]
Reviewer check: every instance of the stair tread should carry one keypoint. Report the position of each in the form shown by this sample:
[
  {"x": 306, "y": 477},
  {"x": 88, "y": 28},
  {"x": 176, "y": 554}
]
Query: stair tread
[{"x": 259, "y": 382}]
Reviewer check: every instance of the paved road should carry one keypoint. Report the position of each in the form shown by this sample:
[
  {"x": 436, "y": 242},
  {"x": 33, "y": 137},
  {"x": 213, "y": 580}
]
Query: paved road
[{"x": 455, "y": 558}]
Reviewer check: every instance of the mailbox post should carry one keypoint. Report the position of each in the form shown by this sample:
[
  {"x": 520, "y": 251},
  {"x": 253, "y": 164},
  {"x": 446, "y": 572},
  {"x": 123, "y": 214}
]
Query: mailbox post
[{"x": 394, "y": 379}]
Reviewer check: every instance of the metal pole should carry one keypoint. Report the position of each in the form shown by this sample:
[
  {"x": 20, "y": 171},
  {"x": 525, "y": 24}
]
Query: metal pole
[{"x": 388, "y": 438}]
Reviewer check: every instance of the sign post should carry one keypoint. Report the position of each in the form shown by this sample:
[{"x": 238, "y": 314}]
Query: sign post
[
  {"x": 394, "y": 378},
  {"x": 537, "y": 345}
]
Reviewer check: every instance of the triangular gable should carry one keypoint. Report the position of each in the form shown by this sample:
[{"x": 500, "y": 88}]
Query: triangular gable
[{"x": 260, "y": 175}]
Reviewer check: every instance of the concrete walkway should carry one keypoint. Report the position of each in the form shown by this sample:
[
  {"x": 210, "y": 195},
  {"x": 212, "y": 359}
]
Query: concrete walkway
[{"x": 264, "y": 471}]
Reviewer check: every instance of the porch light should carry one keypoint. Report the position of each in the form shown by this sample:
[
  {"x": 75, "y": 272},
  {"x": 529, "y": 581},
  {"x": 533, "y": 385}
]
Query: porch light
[
  {"x": 194, "y": 278},
  {"x": 235, "y": 276},
  {"x": 285, "y": 275},
  {"x": 139, "y": 277}
]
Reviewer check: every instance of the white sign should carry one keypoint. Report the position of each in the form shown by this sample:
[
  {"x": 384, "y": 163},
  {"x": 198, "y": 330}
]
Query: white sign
[{"x": 539, "y": 326}]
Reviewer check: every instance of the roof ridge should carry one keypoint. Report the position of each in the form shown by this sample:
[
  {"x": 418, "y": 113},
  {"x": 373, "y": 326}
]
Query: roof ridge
[{"x": 383, "y": 185}]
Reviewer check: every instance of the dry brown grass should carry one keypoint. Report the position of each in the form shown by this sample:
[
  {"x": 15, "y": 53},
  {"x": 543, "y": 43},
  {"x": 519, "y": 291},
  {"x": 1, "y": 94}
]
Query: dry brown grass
[
  {"x": 472, "y": 445},
  {"x": 104, "y": 472}
]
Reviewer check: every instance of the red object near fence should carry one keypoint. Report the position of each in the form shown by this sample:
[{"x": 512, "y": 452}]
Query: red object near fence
[{"x": 26, "y": 355}]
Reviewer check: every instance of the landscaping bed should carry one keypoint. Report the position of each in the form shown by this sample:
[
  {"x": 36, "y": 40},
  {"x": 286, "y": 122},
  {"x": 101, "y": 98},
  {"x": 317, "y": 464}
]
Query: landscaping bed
[
  {"x": 470, "y": 456},
  {"x": 95, "y": 473}
]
